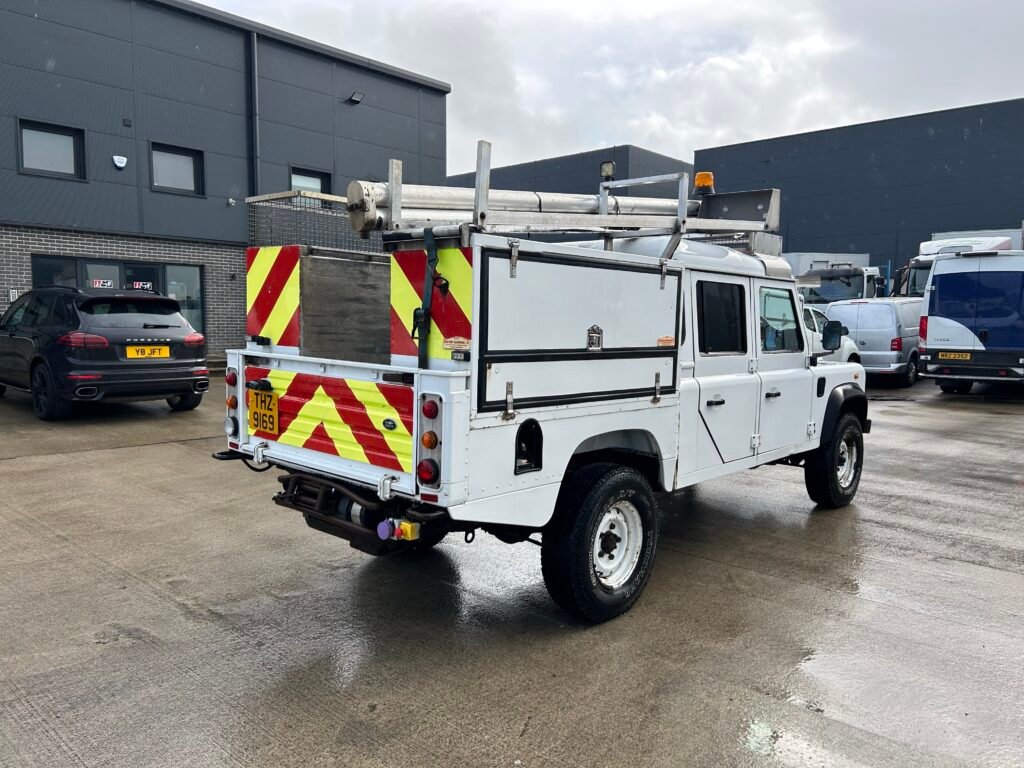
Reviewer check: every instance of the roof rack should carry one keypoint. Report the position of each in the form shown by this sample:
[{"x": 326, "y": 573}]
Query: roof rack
[{"x": 452, "y": 211}]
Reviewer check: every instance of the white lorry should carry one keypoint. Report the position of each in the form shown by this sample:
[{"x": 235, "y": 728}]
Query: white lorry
[
  {"x": 840, "y": 282},
  {"x": 912, "y": 279},
  {"x": 551, "y": 389}
]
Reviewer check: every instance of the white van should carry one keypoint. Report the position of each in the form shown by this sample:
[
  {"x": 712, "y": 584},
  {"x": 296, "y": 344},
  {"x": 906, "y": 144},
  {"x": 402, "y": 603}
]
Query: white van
[
  {"x": 973, "y": 324},
  {"x": 886, "y": 334}
]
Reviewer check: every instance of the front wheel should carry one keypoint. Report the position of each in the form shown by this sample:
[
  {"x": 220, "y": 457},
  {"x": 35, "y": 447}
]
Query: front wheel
[
  {"x": 598, "y": 550},
  {"x": 187, "y": 401},
  {"x": 832, "y": 472}
]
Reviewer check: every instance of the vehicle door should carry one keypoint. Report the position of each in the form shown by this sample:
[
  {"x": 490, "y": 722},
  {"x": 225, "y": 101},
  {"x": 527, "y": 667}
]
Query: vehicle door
[
  {"x": 953, "y": 308},
  {"x": 12, "y": 318},
  {"x": 724, "y": 367},
  {"x": 24, "y": 339},
  {"x": 785, "y": 401},
  {"x": 999, "y": 324}
]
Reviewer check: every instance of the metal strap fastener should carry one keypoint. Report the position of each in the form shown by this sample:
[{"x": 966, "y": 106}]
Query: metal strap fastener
[
  {"x": 657, "y": 388},
  {"x": 513, "y": 259},
  {"x": 510, "y": 412}
]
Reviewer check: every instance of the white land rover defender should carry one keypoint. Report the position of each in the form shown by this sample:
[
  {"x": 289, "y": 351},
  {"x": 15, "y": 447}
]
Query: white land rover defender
[{"x": 539, "y": 388}]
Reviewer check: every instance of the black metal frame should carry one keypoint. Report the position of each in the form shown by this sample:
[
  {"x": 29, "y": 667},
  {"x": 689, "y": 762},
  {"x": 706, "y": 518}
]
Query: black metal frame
[{"x": 78, "y": 138}]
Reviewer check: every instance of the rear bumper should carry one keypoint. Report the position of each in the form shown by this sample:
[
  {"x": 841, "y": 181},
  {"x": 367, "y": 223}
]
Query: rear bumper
[
  {"x": 890, "y": 369},
  {"x": 983, "y": 366},
  {"x": 134, "y": 386}
]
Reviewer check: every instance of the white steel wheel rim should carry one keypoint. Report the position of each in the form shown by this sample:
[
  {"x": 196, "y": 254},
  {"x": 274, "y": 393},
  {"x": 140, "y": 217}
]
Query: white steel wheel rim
[
  {"x": 617, "y": 544},
  {"x": 846, "y": 463}
]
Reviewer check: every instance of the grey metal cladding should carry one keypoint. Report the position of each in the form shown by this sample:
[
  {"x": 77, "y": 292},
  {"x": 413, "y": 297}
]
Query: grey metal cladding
[
  {"x": 62, "y": 50},
  {"x": 288, "y": 145},
  {"x": 432, "y": 106},
  {"x": 275, "y": 175},
  {"x": 288, "y": 64},
  {"x": 359, "y": 160},
  {"x": 100, "y": 149},
  {"x": 187, "y": 35},
  {"x": 187, "y": 125},
  {"x": 28, "y": 93},
  {"x": 299, "y": 107},
  {"x": 432, "y": 140},
  {"x": 376, "y": 126},
  {"x": 59, "y": 203},
  {"x": 379, "y": 90},
  {"x": 225, "y": 176},
  {"x": 432, "y": 170},
  {"x": 171, "y": 76},
  {"x": 104, "y": 16},
  {"x": 8, "y": 144},
  {"x": 200, "y": 218}
]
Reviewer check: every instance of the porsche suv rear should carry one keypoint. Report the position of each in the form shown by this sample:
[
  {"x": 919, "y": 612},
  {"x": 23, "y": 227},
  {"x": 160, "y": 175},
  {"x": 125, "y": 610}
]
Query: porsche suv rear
[{"x": 66, "y": 345}]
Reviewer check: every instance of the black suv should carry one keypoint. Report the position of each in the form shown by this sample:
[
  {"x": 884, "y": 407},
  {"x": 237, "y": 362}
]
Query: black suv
[{"x": 66, "y": 344}]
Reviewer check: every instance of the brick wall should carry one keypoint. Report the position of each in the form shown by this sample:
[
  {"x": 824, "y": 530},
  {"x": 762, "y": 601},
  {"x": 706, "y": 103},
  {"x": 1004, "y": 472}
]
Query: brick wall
[{"x": 223, "y": 269}]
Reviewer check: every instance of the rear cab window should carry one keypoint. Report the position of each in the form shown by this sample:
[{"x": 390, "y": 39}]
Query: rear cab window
[
  {"x": 126, "y": 312},
  {"x": 864, "y": 317}
]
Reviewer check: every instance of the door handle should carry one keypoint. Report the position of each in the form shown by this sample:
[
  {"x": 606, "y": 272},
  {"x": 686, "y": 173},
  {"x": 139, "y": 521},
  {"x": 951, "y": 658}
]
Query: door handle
[
  {"x": 983, "y": 335},
  {"x": 770, "y": 395},
  {"x": 712, "y": 403}
]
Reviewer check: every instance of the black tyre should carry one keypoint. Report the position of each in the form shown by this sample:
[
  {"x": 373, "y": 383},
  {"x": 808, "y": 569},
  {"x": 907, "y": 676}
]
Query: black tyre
[
  {"x": 47, "y": 403},
  {"x": 910, "y": 377},
  {"x": 832, "y": 473},
  {"x": 598, "y": 550},
  {"x": 187, "y": 401},
  {"x": 854, "y": 359},
  {"x": 956, "y": 387},
  {"x": 3, "y": 390}
]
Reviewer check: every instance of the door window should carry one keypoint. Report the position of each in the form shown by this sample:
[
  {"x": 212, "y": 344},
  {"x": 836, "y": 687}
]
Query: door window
[
  {"x": 722, "y": 318},
  {"x": 779, "y": 329},
  {"x": 184, "y": 283}
]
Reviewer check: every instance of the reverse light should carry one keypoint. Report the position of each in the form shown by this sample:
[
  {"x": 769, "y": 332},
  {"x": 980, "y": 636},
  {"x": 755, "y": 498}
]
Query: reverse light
[
  {"x": 230, "y": 426},
  {"x": 896, "y": 345},
  {"x": 194, "y": 339},
  {"x": 231, "y": 377},
  {"x": 82, "y": 340},
  {"x": 429, "y": 440},
  {"x": 428, "y": 472},
  {"x": 231, "y": 402},
  {"x": 430, "y": 409}
]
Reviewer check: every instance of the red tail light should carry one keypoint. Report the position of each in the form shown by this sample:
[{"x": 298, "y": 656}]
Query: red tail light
[
  {"x": 82, "y": 340},
  {"x": 430, "y": 409},
  {"x": 84, "y": 376},
  {"x": 231, "y": 378},
  {"x": 896, "y": 345},
  {"x": 195, "y": 339},
  {"x": 924, "y": 328},
  {"x": 428, "y": 471}
]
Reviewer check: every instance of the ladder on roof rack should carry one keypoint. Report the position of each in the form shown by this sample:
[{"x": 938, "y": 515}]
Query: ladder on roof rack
[{"x": 392, "y": 205}]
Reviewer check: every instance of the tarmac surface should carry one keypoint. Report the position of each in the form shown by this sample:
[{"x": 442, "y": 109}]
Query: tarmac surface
[{"x": 156, "y": 609}]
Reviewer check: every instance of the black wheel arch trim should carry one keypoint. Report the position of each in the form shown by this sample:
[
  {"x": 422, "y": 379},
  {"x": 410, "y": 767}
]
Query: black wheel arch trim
[{"x": 842, "y": 399}]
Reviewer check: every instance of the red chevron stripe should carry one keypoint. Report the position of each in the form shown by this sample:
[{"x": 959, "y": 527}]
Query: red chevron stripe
[
  {"x": 290, "y": 335},
  {"x": 319, "y": 440},
  {"x": 468, "y": 253},
  {"x": 287, "y": 261},
  {"x": 399, "y": 398},
  {"x": 401, "y": 341},
  {"x": 250, "y": 257},
  {"x": 444, "y": 310},
  {"x": 366, "y": 433}
]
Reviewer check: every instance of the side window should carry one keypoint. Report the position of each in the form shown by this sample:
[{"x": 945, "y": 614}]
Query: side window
[
  {"x": 779, "y": 329},
  {"x": 721, "y": 318},
  {"x": 15, "y": 312},
  {"x": 819, "y": 320},
  {"x": 37, "y": 311},
  {"x": 809, "y": 320}
]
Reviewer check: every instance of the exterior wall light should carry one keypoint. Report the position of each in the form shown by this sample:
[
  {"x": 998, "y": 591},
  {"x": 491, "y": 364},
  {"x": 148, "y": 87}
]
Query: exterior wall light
[{"x": 355, "y": 98}]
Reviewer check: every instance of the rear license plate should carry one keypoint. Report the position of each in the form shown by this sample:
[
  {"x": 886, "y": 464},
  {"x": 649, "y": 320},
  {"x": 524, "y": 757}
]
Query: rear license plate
[
  {"x": 954, "y": 355},
  {"x": 263, "y": 412},
  {"x": 148, "y": 352}
]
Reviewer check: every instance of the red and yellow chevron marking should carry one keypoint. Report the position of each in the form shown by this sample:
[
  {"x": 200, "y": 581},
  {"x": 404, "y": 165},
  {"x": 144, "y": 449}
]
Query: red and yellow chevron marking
[
  {"x": 342, "y": 417},
  {"x": 272, "y": 293},
  {"x": 449, "y": 314}
]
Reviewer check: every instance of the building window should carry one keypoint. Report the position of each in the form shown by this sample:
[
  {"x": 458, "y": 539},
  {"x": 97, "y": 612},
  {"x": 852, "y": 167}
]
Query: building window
[
  {"x": 721, "y": 318},
  {"x": 311, "y": 181},
  {"x": 52, "y": 150},
  {"x": 54, "y": 270},
  {"x": 185, "y": 285},
  {"x": 177, "y": 170}
]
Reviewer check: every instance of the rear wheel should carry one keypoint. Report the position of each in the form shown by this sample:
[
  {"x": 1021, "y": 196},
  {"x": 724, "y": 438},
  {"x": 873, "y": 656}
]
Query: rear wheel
[
  {"x": 598, "y": 550},
  {"x": 910, "y": 377},
  {"x": 956, "y": 387},
  {"x": 47, "y": 403},
  {"x": 187, "y": 401},
  {"x": 832, "y": 472}
]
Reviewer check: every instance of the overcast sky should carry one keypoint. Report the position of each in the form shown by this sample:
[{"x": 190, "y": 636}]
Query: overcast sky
[{"x": 541, "y": 77}]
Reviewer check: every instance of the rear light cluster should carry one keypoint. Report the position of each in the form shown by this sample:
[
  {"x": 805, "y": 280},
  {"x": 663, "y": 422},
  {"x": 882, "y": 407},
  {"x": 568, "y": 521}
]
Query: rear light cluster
[
  {"x": 82, "y": 340},
  {"x": 923, "y": 332},
  {"x": 194, "y": 339},
  {"x": 231, "y": 420},
  {"x": 428, "y": 470},
  {"x": 896, "y": 345}
]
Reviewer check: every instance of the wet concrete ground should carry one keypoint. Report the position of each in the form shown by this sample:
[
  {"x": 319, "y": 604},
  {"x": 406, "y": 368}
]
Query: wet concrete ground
[{"x": 157, "y": 610}]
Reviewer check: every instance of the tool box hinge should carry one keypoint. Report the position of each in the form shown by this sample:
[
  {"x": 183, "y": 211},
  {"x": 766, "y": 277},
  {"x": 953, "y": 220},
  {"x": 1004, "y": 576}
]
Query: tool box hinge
[
  {"x": 755, "y": 442},
  {"x": 657, "y": 388},
  {"x": 812, "y": 427},
  {"x": 664, "y": 271},
  {"x": 510, "y": 411}
]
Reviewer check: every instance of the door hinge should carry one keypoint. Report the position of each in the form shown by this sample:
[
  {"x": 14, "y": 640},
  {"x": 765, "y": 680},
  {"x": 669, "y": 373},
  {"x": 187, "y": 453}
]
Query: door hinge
[
  {"x": 752, "y": 365},
  {"x": 510, "y": 412},
  {"x": 664, "y": 271},
  {"x": 513, "y": 259},
  {"x": 812, "y": 427},
  {"x": 755, "y": 442}
]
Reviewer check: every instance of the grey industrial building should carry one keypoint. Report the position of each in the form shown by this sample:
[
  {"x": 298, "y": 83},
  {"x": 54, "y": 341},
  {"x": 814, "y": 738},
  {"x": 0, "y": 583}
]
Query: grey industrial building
[
  {"x": 581, "y": 172},
  {"x": 131, "y": 132},
  {"x": 883, "y": 187}
]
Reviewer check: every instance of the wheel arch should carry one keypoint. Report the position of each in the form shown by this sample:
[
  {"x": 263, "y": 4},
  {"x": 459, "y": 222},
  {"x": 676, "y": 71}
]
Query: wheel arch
[
  {"x": 845, "y": 398},
  {"x": 636, "y": 448}
]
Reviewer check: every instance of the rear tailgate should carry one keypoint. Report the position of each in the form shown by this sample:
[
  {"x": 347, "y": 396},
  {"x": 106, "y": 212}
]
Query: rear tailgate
[{"x": 337, "y": 419}]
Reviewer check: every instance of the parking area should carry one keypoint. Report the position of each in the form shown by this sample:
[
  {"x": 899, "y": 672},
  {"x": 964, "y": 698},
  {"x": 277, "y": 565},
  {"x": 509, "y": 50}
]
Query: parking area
[{"x": 156, "y": 609}]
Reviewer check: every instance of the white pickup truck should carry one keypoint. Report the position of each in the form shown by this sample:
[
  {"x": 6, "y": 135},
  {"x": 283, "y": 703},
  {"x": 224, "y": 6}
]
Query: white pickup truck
[{"x": 550, "y": 388}]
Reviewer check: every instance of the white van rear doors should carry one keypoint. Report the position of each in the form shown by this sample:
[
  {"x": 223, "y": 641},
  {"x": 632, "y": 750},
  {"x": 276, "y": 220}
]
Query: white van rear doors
[{"x": 953, "y": 305}]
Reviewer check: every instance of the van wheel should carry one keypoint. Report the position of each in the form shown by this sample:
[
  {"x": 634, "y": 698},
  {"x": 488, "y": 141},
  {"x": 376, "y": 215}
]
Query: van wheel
[
  {"x": 832, "y": 472},
  {"x": 598, "y": 549},
  {"x": 910, "y": 377},
  {"x": 47, "y": 403},
  {"x": 956, "y": 387},
  {"x": 187, "y": 401}
]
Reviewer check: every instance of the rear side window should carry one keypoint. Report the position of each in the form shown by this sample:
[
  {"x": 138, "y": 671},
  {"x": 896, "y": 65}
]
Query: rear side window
[
  {"x": 1000, "y": 295},
  {"x": 954, "y": 296},
  {"x": 864, "y": 317},
  {"x": 132, "y": 313},
  {"x": 845, "y": 314},
  {"x": 722, "y": 318}
]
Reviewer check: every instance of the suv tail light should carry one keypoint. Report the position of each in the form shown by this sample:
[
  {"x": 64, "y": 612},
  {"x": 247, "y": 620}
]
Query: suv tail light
[
  {"x": 195, "y": 339},
  {"x": 82, "y": 340},
  {"x": 896, "y": 345}
]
